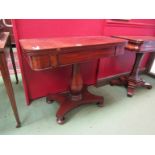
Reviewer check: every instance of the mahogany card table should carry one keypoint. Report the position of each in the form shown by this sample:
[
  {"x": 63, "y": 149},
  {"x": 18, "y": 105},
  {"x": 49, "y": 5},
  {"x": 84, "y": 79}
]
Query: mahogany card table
[
  {"x": 50, "y": 53},
  {"x": 5, "y": 45},
  {"x": 138, "y": 45}
]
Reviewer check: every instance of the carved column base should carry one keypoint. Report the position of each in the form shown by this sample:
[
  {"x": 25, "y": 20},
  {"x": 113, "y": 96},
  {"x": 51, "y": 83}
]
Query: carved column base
[
  {"x": 67, "y": 103},
  {"x": 131, "y": 84}
]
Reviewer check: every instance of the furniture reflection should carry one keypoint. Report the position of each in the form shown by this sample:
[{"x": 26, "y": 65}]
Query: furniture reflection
[
  {"x": 5, "y": 45},
  {"x": 138, "y": 45},
  {"x": 42, "y": 54}
]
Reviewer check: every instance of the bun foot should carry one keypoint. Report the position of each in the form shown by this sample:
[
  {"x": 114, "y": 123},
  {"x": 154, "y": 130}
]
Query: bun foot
[
  {"x": 129, "y": 95},
  {"x": 148, "y": 86},
  {"x": 18, "y": 125},
  {"x": 61, "y": 120},
  {"x": 100, "y": 104},
  {"x": 111, "y": 84},
  {"x": 49, "y": 101},
  {"x": 131, "y": 90}
]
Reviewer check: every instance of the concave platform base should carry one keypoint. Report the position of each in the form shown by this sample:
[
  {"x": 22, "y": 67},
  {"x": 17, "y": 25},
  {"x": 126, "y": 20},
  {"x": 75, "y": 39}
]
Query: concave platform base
[
  {"x": 67, "y": 102},
  {"x": 131, "y": 84}
]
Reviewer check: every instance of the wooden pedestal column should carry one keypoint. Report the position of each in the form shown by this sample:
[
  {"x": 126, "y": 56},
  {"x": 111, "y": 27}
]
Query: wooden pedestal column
[
  {"x": 77, "y": 96},
  {"x": 133, "y": 80}
]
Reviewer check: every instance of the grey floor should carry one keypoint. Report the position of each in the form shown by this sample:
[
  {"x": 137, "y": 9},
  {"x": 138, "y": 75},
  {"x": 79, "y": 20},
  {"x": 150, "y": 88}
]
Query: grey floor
[{"x": 121, "y": 115}]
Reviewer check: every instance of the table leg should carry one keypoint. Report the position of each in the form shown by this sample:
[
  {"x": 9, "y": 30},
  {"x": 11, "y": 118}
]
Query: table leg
[
  {"x": 8, "y": 85},
  {"x": 133, "y": 80},
  {"x": 13, "y": 63},
  {"x": 77, "y": 96}
]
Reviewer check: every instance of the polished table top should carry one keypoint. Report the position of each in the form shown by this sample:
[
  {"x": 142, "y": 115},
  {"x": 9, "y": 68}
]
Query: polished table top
[
  {"x": 54, "y": 52},
  {"x": 67, "y": 42}
]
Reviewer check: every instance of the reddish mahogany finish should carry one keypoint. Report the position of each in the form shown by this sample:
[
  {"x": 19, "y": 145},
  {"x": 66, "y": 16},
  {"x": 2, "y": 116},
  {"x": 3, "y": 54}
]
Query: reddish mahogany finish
[
  {"x": 50, "y": 53},
  {"x": 140, "y": 45},
  {"x": 4, "y": 42},
  {"x": 43, "y": 54}
]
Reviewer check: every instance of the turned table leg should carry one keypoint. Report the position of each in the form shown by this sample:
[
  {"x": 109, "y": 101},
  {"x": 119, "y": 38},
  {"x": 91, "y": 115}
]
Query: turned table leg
[
  {"x": 76, "y": 83},
  {"x": 13, "y": 62},
  {"x": 78, "y": 95},
  {"x": 135, "y": 69},
  {"x": 133, "y": 80},
  {"x": 8, "y": 85}
]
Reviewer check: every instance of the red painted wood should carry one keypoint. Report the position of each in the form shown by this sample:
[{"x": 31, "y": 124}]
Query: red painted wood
[{"x": 60, "y": 28}]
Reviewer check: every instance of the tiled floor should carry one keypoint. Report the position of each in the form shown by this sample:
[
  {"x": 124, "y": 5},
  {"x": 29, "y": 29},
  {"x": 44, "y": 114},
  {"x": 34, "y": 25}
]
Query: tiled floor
[{"x": 121, "y": 115}]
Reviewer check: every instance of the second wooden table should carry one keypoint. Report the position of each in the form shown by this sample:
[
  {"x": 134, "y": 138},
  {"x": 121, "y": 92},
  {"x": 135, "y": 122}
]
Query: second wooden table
[{"x": 138, "y": 45}]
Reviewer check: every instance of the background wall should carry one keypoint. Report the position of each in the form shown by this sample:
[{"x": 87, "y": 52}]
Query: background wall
[{"x": 38, "y": 84}]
